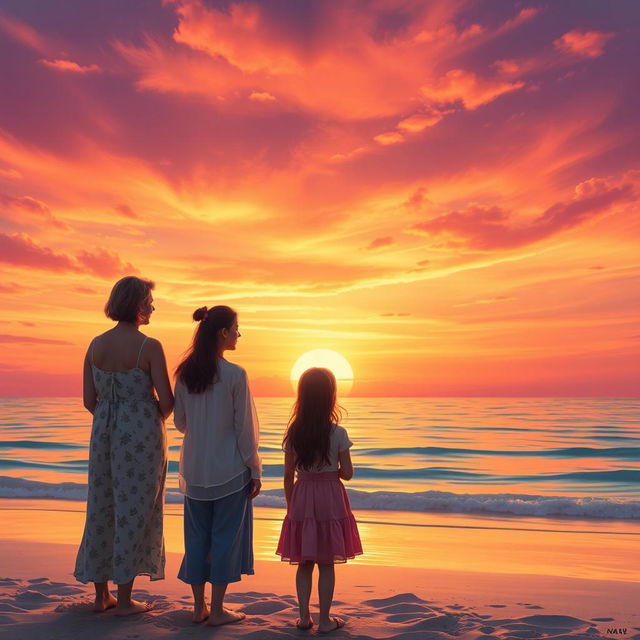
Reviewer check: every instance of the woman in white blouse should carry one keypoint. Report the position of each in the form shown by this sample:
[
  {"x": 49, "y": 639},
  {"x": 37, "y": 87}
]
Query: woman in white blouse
[{"x": 219, "y": 463}]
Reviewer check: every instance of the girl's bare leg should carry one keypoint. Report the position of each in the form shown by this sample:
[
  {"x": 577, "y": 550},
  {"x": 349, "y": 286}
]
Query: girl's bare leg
[
  {"x": 326, "y": 584},
  {"x": 304, "y": 576}
]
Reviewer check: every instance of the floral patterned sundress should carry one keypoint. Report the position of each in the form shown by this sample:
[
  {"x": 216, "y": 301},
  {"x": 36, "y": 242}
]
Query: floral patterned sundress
[{"x": 123, "y": 535}]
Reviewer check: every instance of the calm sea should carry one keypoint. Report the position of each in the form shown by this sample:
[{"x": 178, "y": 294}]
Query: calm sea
[{"x": 575, "y": 458}]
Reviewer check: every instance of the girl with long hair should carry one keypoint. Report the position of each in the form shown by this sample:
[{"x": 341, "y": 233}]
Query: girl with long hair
[
  {"x": 219, "y": 463},
  {"x": 319, "y": 527}
]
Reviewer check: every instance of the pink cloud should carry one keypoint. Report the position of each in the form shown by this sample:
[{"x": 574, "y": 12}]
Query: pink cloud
[
  {"x": 22, "y": 33},
  {"x": 417, "y": 199},
  {"x": 9, "y": 173},
  {"x": 20, "y": 250},
  {"x": 489, "y": 228},
  {"x": 11, "y": 288},
  {"x": 584, "y": 43},
  {"x": 105, "y": 263},
  {"x": 126, "y": 211},
  {"x": 69, "y": 66},
  {"x": 378, "y": 243},
  {"x": 18, "y": 208},
  {"x": 85, "y": 290}
]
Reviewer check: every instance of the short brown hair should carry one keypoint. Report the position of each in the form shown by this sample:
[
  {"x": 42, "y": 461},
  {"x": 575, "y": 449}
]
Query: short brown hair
[{"x": 127, "y": 297}]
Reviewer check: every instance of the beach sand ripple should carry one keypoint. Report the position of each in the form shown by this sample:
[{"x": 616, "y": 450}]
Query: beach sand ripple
[{"x": 44, "y": 609}]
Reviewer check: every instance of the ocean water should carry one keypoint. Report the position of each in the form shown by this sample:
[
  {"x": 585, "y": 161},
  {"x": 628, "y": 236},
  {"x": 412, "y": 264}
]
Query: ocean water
[{"x": 517, "y": 457}]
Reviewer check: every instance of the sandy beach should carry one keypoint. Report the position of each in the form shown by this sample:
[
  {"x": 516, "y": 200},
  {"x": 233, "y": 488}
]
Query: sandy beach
[{"x": 39, "y": 598}]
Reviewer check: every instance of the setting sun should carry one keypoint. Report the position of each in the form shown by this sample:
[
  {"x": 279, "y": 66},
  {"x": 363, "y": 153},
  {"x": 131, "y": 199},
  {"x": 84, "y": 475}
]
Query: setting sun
[{"x": 328, "y": 359}]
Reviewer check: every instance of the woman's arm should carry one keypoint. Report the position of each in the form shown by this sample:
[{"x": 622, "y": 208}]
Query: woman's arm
[
  {"x": 89, "y": 395},
  {"x": 345, "y": 470},
  {"x": 179, "y": 410},
  {"x": 289, "y": 473},
  {"x": 160, "y": 377},
  {"x": 245, "y": 425}
]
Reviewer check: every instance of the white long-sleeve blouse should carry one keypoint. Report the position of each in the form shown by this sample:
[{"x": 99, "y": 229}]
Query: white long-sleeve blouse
[{"x": 220, "y": 447}]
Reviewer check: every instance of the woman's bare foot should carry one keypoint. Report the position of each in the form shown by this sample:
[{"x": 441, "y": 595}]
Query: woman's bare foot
[
  {"x": 104, "y": 602},
  {"x": 330, "y": 625},
  {"x": 226, "y": 617},
  {"x": 133, "y": 607},
  {"x": 200, "y": 612}
]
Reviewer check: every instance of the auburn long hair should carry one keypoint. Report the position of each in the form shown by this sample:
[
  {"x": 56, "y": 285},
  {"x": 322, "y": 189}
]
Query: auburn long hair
[
  {"x": 199, "y": 366},
  {"x": 313, "y": 416}
]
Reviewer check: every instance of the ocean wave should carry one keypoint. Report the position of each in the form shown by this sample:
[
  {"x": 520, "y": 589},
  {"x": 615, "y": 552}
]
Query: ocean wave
[
  {"x": 617, "y": 477},
  {"x": 46, "y": 445},
  {"x": 517, "y": 505},
  {"x": 621, "y": 453}
]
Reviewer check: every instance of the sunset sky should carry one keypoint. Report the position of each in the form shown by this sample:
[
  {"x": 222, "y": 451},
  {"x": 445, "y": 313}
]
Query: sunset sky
[{"x": 444, "y": 192}]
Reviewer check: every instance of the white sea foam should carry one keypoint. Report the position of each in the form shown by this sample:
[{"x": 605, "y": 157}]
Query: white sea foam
[{"x": 424, "y": 501}]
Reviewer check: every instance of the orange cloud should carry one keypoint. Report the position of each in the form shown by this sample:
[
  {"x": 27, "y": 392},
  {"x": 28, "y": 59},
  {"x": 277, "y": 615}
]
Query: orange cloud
[
  {"x": 420, "y": 121},
  {"x": 490, "y": 228},
  {"x": 345, "y": 71},
  {"x": 583, "y": 43},
  {"x": 463, "y": 86},
  {"x": 378, "y": 243},
  {"x": 69, "y": 66},
  {"x": 261, "y": 96},
  {"x": 5, "y": 338},
  {"x": 390, "y": 137}
]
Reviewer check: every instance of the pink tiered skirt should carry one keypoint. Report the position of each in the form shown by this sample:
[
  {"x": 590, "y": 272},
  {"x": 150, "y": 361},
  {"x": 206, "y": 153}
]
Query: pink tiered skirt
[{"x": 319, "y": 526}]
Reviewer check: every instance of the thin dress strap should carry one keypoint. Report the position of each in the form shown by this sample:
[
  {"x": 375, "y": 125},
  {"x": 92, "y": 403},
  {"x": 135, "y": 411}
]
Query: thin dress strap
[{"x": 140, "y": 352}]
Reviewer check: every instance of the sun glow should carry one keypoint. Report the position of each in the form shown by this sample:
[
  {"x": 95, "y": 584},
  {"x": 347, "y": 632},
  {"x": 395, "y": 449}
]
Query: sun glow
[{"x": 332, "y": 360}]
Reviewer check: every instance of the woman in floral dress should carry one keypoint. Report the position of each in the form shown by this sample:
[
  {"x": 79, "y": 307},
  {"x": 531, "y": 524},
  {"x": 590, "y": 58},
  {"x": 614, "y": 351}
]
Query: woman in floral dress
[{"x": 127, "y": 457}]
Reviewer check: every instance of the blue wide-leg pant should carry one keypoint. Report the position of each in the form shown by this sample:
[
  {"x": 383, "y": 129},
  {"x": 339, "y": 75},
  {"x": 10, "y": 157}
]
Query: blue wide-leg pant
[{"x": 218, "y": 537}]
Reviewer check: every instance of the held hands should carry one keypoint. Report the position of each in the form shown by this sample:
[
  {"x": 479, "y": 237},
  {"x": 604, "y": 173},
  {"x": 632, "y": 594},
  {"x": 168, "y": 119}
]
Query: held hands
[{"x": 256, "y": 485}]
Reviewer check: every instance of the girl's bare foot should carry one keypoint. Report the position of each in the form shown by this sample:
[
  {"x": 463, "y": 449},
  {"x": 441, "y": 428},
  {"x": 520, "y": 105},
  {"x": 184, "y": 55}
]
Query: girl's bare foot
[
  {"x": 200, "y": 612},
  {"x": 133, "y": 607},
  {"x": 330, "y": 625},
  {"x": 105, "y": 602},
  {"x": 226, "y": 617},
  {"x": 304, "y": 623}
]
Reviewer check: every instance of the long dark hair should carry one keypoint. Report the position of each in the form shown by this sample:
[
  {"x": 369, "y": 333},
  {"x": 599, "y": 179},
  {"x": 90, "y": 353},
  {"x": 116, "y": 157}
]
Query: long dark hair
[
  {"x": 199, "y": 366},
  {"x": 314, "y": 413}
]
